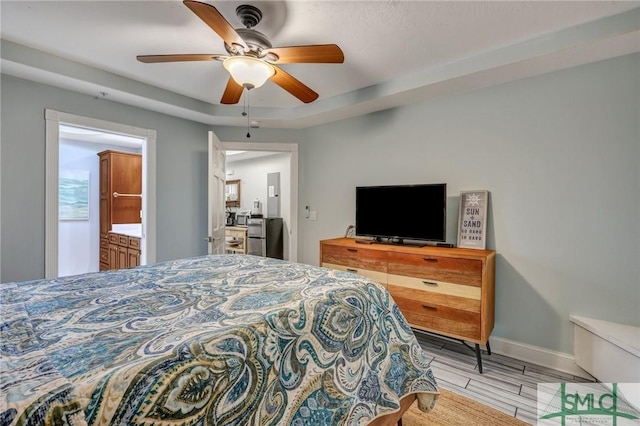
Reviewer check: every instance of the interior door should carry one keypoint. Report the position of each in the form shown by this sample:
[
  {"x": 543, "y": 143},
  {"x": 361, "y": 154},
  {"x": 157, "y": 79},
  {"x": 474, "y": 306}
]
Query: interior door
[{"x": 216, "y": 200}]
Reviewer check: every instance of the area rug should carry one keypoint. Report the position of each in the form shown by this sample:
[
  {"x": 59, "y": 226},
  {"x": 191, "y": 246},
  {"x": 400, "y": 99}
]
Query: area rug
[{"x": 454, "y": 410}]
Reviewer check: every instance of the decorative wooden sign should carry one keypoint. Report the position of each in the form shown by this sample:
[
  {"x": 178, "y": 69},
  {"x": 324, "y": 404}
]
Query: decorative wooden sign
[{"x": 472, "y": 223}]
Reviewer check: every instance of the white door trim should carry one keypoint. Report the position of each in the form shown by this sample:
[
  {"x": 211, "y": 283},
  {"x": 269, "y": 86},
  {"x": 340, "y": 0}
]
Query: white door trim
[
  {"x": 291, "y": 148},
  {"x": 53, "y": 120}
]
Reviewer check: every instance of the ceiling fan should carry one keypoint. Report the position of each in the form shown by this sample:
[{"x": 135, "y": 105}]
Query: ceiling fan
[{"x": 251, "y": 59}]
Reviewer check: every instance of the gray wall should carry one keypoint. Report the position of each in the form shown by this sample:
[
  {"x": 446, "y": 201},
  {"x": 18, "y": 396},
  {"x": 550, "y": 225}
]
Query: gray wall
[
  {"x": 560, "y": 155},
  {"x": 181, "y": 156}
]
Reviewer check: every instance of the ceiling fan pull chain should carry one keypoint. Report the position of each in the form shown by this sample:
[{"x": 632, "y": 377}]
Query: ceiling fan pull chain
[
  {"x": 248, "y": 113},
  {"x": 244, "y": 107}
]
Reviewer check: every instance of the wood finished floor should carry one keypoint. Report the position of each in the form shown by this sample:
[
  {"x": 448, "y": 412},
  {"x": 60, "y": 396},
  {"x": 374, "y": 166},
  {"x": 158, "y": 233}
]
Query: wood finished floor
[{"x": 506, "y": 384}]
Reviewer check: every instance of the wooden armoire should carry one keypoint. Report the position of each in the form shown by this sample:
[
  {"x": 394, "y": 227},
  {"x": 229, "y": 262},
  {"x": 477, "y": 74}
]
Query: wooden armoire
[{"x": 120, "y": 195}]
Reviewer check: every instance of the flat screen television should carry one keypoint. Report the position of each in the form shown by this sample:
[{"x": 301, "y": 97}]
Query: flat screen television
[{"x": 398, "y": 212}]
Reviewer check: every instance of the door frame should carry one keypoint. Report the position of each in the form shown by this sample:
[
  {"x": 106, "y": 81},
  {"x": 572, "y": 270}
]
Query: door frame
[
  {"x": 292, "y": 149},
  {"x": 53, "y": 119}
]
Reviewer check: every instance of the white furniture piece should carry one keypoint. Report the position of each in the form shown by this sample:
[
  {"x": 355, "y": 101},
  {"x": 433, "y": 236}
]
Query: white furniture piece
[
  {"x": 236, "y": 239},
  {"x": 608, "y": 351}
]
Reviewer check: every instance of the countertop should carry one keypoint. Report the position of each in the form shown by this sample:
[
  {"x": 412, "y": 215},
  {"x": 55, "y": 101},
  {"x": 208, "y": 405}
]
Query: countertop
[
  {"x": 128, "y": 229},
  {"x": 237, "y": 228}
]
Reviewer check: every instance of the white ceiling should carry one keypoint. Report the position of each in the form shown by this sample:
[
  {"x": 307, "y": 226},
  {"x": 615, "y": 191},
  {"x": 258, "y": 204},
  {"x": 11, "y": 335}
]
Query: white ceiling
[{"x": 396, "y": 52}]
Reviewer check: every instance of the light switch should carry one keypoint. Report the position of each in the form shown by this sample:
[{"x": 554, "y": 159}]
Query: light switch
[{"x": 313, "y": 215}]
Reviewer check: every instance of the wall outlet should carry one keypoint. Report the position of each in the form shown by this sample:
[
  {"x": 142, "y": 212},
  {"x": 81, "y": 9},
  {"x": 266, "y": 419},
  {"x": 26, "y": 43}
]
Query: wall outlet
[{"x": 313, "y": 215}]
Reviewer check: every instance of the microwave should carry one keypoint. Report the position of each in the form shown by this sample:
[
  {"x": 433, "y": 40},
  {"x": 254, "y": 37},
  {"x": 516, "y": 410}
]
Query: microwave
[{"x": 242, "y": 219}]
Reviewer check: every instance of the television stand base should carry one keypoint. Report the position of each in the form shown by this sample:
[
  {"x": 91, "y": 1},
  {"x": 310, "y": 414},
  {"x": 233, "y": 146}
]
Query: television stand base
[
  {"x": 449, "y": 245},
  {"x": 401, "y": 242},
  {"x": 361, "y": 241}
]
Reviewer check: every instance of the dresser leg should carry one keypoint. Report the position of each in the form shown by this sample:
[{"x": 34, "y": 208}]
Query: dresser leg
[
  {"x": 479, "y": 358},
  {"x": 488, "y": 347}
]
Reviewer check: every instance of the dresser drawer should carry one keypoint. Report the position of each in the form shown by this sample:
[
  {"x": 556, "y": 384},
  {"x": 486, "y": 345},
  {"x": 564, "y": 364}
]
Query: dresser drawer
[
  {"x": 447, "y": 314},
  {"x": 446, "y": 327},
  {"x": 123, "y": 240},
  {"x": 429, "y": 309},
  {"x": 114, "y": 238},
  {"x": 134, "y": 242},
  {"x": 437, "y": 299},
  {"x": 433, "y": 286},
  {"x": 355, "y": 258},
  {"x": 377, "y": 276},
  {"x": 438, "y": 268}
]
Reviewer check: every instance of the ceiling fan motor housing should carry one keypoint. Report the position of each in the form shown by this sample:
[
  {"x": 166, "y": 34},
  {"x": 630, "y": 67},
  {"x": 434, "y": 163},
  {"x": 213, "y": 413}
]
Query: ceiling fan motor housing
[
  {"x": 250, "y": 16},
  {"x": 255, "y": 41}
]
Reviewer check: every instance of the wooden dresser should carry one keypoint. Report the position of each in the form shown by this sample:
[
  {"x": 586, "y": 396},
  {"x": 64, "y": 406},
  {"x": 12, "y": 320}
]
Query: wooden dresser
[{"x": 447, "y": 291}]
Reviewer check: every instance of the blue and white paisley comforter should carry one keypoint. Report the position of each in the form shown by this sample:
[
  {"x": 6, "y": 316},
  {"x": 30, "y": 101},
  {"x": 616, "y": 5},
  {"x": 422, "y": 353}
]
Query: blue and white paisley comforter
[{"x": 211, "y": 340}]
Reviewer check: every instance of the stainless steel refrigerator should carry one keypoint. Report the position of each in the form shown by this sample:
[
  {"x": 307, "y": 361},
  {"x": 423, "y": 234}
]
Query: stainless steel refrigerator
[{"x": 265, "y": 238}]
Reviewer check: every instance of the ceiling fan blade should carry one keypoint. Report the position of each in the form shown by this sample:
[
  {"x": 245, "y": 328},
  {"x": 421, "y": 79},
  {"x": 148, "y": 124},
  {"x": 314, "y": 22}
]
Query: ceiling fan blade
[
  {"x": 293, "y": 86},
  {"x": 232, "y": 93},
  {"x": 319, "y": 53},
  {"x": 150, "y": 59},
  {"x": 216, "y": 21}
]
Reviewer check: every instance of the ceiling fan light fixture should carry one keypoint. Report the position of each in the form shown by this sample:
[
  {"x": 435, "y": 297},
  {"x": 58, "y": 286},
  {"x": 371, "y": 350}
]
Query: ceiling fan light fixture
[{"x": 248, "y": 71}]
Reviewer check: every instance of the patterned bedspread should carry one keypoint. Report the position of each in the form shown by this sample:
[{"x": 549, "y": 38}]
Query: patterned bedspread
[{"x": 211, "y": 340}]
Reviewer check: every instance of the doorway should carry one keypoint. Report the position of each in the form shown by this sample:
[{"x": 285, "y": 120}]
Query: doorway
[
  {"x": 292, "y": 194},
  {"x": 62, "y": 124}
]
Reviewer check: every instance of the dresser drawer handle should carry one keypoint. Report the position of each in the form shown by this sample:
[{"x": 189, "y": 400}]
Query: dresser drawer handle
[
  {"x": 431, "y": 283},
  {"x": 352, "y": 250},
  {"x": 352, "y": 270},
  {"x": 429, "y": 259},
  {"x": 430, "y": 308}
]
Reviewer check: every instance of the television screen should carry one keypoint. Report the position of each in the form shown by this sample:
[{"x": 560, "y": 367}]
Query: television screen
[{"x": 397, "y": 212}]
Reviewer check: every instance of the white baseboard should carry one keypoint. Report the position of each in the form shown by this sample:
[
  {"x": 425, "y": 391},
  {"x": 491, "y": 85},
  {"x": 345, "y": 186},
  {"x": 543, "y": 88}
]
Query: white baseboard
[{"x": 536, "y": 355}]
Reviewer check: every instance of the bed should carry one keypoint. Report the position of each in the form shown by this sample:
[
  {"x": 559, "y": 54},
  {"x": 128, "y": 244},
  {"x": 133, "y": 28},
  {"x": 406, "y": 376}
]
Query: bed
[{"x": 209, "y": 340}]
